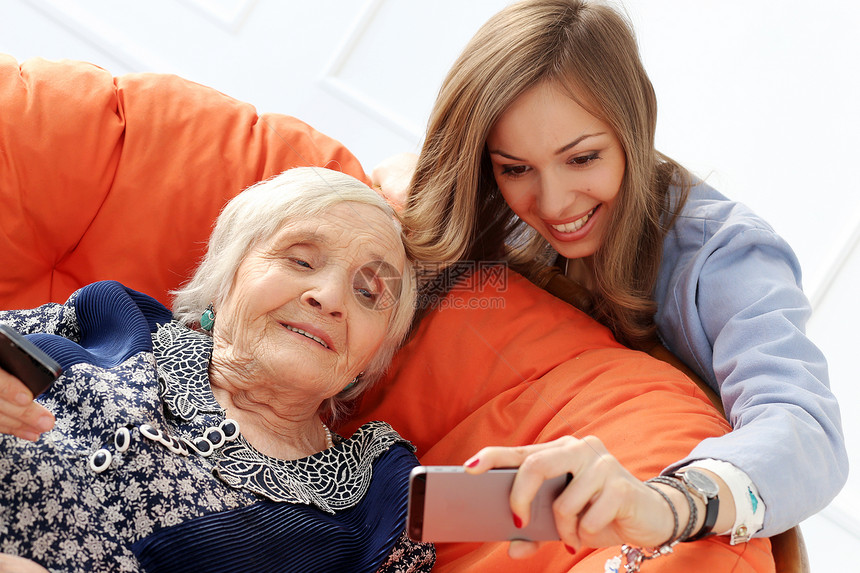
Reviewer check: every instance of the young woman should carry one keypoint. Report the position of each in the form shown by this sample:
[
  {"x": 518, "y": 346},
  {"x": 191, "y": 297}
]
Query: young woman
[{"x": 540, "y": 152}]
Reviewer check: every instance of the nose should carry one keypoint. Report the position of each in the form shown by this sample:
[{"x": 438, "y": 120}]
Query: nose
[
  {"x": 328, "y": 294},
  {"x": 553, "y": 195}
]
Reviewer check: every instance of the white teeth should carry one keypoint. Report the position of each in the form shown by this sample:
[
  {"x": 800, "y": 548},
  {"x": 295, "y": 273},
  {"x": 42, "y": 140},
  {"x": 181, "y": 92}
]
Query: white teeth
[
  {"x": 575, "y": 225},
  {"x": 308, "y": 334}
]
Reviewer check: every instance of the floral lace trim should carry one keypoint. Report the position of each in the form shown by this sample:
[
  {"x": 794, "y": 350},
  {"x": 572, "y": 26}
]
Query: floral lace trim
[
  {"x": 182, "y": 357},
  {"x": 332, "y": 480}
]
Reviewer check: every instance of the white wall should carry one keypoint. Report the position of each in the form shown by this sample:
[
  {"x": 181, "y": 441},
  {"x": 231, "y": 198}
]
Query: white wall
[{"x": 761, "y": 97}]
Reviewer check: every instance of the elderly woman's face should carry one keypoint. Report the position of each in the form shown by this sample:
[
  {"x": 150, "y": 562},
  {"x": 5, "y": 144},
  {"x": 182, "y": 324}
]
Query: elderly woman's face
[{"x": 307, "y": 304}]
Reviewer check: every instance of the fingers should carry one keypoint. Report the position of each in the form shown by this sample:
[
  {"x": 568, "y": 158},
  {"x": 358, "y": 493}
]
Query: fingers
[
  {"x": 586, "y": 511},
  {"x": 13, "y": 564},
  {"x": 522, "y": 549},
  {"x": 392, "y": 176},
  {"x": 13, "y": 390},
  {"x": 580, "y": 458},
  {"x": 500, "y": 457},
  {"x": 528, "y": 479},
  {"x": 603, "y": 504},
  {"x": 19, "y": 414},
  {"x": 606, "y": 505},
  {"x": 538, "y": 463}
]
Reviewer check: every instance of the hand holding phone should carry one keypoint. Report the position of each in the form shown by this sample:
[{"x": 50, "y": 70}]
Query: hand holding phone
[
  {"x": 23, "y": 364},
  {"x": 448, "y": 504},
  {"x": 25, "y": 361}
]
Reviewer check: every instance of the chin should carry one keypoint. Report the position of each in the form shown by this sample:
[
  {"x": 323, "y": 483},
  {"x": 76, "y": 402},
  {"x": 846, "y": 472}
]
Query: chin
[{"x": 573, "y": 253}]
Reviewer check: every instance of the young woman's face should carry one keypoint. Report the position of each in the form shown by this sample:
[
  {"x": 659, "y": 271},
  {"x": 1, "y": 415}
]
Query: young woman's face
[{"x": 558, "y": 167}]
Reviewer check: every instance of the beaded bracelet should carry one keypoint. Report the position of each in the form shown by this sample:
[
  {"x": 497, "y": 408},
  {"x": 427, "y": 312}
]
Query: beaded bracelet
[{"x": 634, "y": 556}]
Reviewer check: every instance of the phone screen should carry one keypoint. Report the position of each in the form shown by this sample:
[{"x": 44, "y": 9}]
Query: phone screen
[
  {"x": 26, "y": 361},
  {"x": 448, "y": 504}
]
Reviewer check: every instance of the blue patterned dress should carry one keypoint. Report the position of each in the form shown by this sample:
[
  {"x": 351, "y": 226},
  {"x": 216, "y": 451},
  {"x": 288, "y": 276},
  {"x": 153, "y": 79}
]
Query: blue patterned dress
[{"x": 143, "y": 472}]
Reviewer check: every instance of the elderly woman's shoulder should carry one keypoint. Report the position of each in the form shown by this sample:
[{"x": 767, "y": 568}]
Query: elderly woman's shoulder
[{"x": 376, "y": 434}]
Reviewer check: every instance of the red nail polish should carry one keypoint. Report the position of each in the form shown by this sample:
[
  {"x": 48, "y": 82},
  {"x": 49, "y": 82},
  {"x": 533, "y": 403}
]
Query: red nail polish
[
  {"x": 473, "y": 463},
  {"x": 570, "y": 549},
  {"x": 518, "y": 523}
]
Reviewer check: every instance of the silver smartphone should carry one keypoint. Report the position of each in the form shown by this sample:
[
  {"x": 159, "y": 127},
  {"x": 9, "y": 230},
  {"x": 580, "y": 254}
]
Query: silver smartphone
[
  {"x": 448, "y": 504},
  {"x": 26, "y": 361}
]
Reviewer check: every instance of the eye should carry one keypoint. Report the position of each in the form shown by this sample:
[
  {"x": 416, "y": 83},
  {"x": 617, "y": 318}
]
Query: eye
[
  {"x": 377, "y": 285},
  {"x": 581, "y": 160},
  {"x": 514, "y": 171},
  {"x": 363, "y": 292},
  {"x": 366, "y": 285},
  {"x": 302, "y": 263}
]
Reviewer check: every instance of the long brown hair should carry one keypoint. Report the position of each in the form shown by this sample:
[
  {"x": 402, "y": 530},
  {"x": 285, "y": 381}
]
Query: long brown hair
[{"x": 455, "y": 209}]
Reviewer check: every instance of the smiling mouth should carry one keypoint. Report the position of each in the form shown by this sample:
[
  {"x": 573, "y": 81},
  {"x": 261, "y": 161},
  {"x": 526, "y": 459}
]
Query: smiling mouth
[
  {"x": 306, "y": 334},
  {"x": 575, "y": 225}
]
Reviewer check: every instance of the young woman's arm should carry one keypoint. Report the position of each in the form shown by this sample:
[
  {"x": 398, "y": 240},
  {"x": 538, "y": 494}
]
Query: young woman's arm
[{"x": 731, "y": 306}]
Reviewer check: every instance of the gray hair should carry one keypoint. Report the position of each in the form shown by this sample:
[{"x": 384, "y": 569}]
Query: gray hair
[{"x": 259, "y": 212}]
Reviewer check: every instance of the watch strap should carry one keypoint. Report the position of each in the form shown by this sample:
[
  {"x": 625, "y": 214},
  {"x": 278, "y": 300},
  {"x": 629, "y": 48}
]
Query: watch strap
[{"x": 712, "y": 508}]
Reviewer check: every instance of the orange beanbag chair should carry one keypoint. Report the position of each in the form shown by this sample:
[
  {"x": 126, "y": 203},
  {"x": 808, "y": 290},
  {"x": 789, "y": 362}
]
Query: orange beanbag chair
[
  {"x": 503, "y": 362},
  {"x": 122, "y": 178}
]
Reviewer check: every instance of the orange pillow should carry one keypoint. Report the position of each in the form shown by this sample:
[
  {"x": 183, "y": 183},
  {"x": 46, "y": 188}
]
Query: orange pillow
[
  {"x": 122, "y": 178},
  {"x": 506, "y": 363}
]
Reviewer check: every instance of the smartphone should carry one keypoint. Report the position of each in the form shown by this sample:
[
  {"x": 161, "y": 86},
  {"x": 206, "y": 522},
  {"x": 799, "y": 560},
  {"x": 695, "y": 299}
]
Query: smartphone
[
  {"x": 448, "y": 504},
  {"x": 26, "y": 361}
]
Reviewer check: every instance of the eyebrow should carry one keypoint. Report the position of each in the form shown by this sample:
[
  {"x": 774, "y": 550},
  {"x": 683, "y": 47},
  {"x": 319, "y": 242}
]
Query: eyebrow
[
  {"x": 558, "y": 151},
  {"x": 379, "y": 259},
  {"x": 312, "y": 237},
  {"x": 309, "y": 237}
]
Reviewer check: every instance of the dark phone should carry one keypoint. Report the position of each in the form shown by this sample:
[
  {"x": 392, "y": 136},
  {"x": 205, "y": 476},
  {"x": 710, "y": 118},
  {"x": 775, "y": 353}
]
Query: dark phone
[
  {"x": 25, "y": 361},
  {"x": 448, "y": 504}
]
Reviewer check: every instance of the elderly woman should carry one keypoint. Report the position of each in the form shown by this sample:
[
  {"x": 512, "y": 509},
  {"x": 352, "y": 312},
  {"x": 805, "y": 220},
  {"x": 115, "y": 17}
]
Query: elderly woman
[{"x": 195, "y": 440}]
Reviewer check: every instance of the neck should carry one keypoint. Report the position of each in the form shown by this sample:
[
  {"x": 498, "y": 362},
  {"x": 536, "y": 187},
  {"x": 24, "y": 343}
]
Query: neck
[
  {"x": 581, "y": 272},
  {"x": 278, "y": 428}
]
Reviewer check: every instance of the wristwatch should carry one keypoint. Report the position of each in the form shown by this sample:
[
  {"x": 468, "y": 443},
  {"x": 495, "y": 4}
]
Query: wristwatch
[{"x": 701, "y": 485}]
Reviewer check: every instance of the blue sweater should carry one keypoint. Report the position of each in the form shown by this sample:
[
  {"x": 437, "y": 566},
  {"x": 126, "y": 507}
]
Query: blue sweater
[{"x": 730, "y": 305}]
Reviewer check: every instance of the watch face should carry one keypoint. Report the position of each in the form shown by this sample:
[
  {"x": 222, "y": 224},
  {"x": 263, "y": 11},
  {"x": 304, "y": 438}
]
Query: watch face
[{"x": 702, "y": 482}]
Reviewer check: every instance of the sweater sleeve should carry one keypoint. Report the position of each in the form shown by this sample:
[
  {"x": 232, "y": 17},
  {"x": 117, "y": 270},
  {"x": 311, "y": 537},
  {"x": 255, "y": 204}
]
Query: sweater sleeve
[{"x": 738, "y": 314}]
